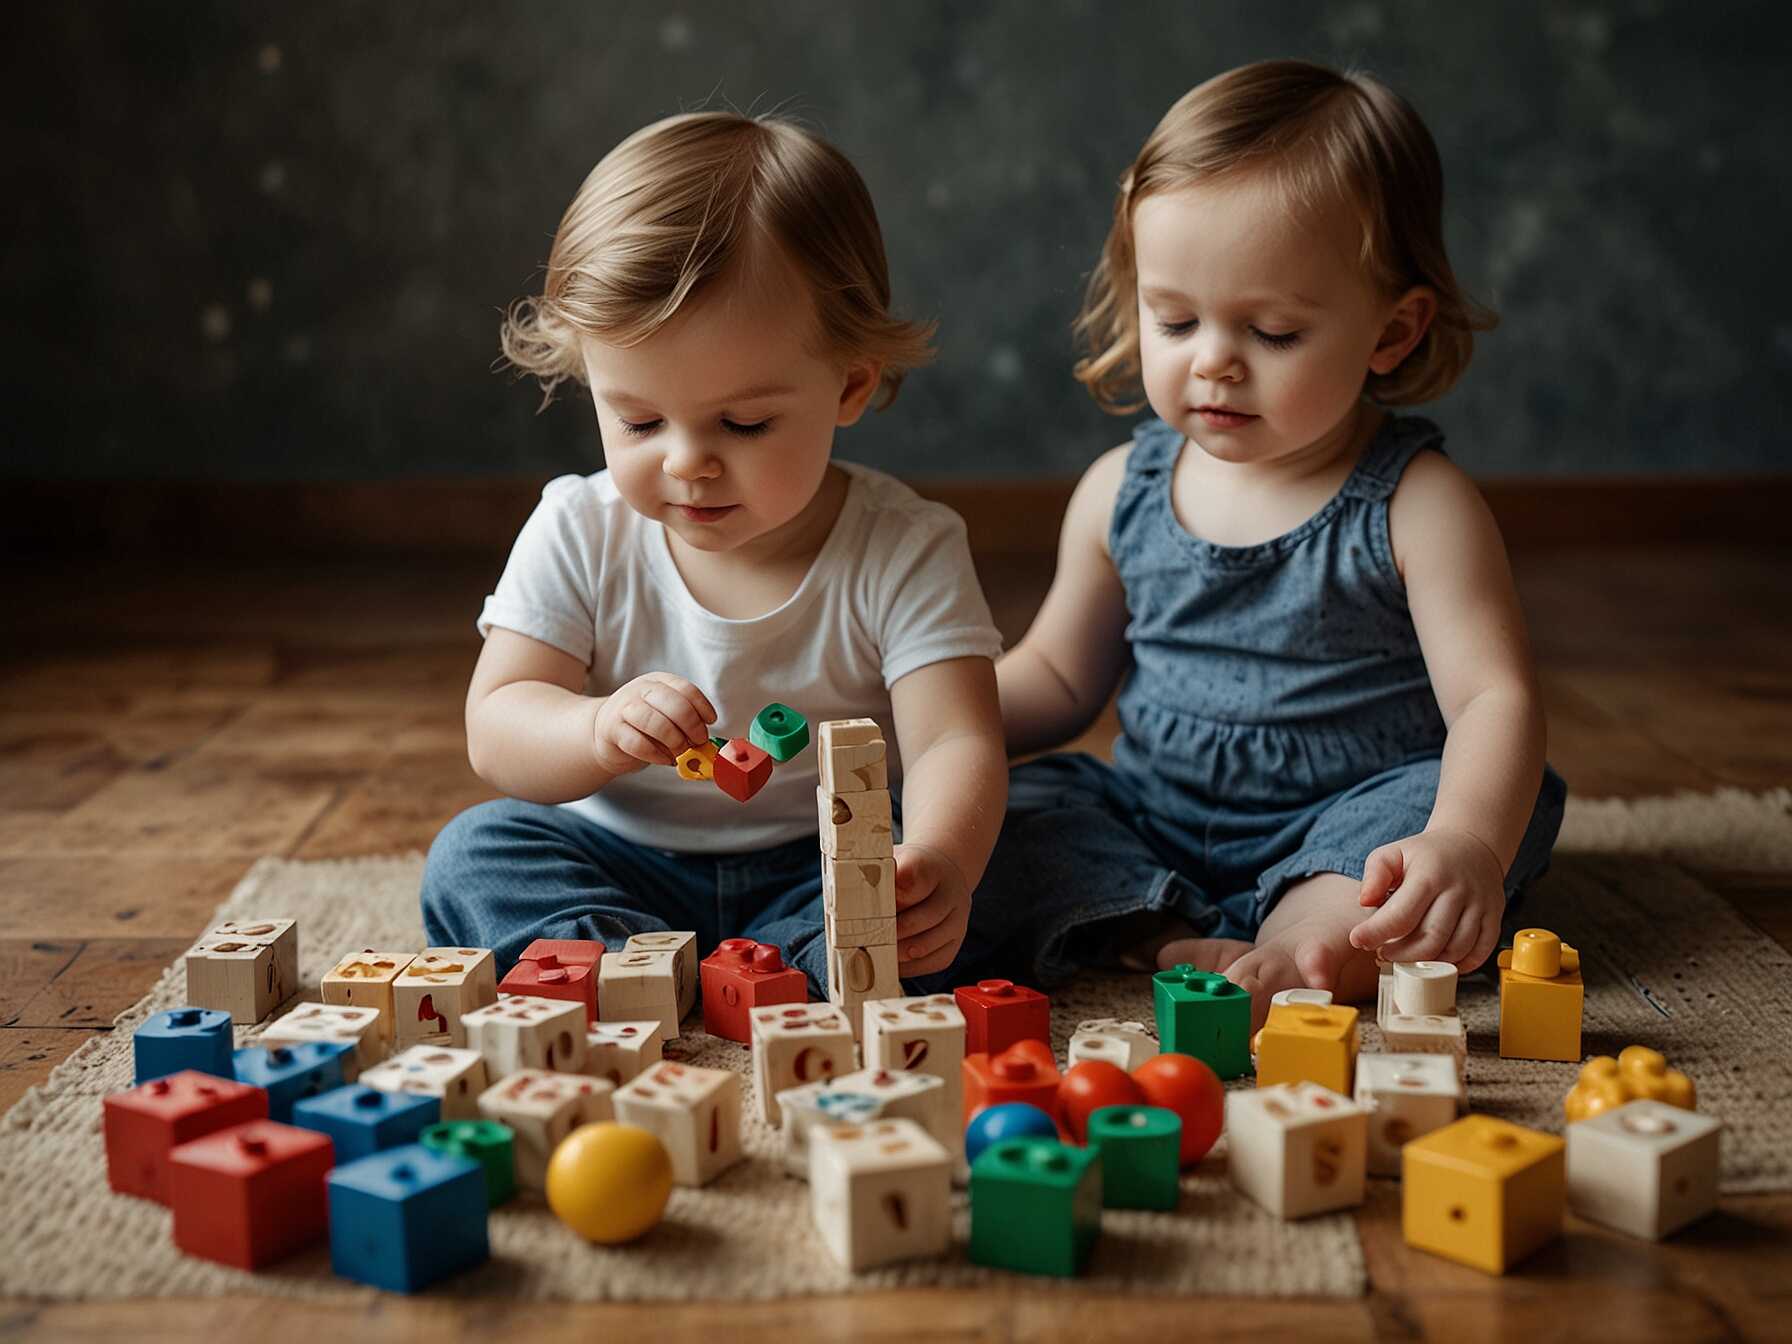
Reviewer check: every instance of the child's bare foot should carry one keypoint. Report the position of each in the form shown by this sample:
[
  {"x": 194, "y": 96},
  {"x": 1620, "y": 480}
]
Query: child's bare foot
[
  {"x": 1204, "y": 954},
  {"x": 1312, "y": 951}
]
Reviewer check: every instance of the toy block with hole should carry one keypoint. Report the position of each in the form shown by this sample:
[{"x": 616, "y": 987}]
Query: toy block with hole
[
  {"x": 364, "y": 980},
  {"x": 697, "y": 764},
  {"x": 901, "y": 1094},
  {"x": 795, "y": 1044},
  {"x": 557, "y": 968},
  {"x": 637, "y": 986},
  {"x": 181, "y": 1039},
  {"x": 1637, "y": 1074},
  {"x": 289, "y": 1073},
  {"x": 251, "y": 1195},
  {"x": 682, "y": 942},
  {"x": 857, "y": 975},
  {"x": 694, "y": 1111},
  {"x": 147, "y": 1123},
  {"x": 1308, "y": 1043},
  {"x": 921, "y": 1034},
  {"x": 454, "y": 1077},
  {"x": 741, "y": 769},
  {"x": 487, "y": 1142},
  {"x": 1406, "y": 1096},
  {"x": 1483, "y": 1192},
  {"x": 852, "y": 756},
  {"x": 880, "y": 1193},
  {"x": 1424, "y": 987},
  {"x": 439, "y": 987},
  {"x": 1646, "y": 1168},
  {"x": 541, "y": 1109},
  {"x": 997, "y": 1013},
  {"x": 1035, "y": 1206},
  {"x": 741, "y": 975},
  {"x": 360, "y": 1120},
  {"x": 855, "y": 825},
  {"x": 780, "y": 732},
  {"x": 1123, "y": 1044},
  {"x": 1432, "y": 1034},
  {"x": 357, "y": 1028},
  {"x": 518, "y": 1032},
  {"x": 853, "y": 889},
  {"x": 406, "y": 1218},
  {"x": 1205, "y": 1015},
  {"x": 1541, "y": 996},
  {"x": 801, "y": 1110},
  {"x": 1141, "y": 1156},
  {"x": 619, "y": 1051},
  {"x": 246, "y": 967},
  {"x": 1297, "y": 1149},
  {"x": 1025, "y": 1071}
]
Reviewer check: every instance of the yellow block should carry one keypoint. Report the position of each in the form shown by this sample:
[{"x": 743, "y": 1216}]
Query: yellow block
[
  {"x": 1540, "y": 998},
  {"x": 1637, "y": 1074},
  {"x": 698, "y": 762},
  {"x": 1483, "y": 1192},
  {"x": 1308, "y": 1042}
]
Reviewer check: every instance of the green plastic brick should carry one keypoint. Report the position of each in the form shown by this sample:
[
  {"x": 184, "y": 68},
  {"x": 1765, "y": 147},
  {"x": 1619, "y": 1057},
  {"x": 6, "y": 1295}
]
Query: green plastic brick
[
  {"x": 1035, "y": 1206},
  {"x": 487, "y": 1142},
  {"x": 1141, "y": 1156},
  {"x": 779, "y": 731},
  {"x": 1205, "y": 1015}
]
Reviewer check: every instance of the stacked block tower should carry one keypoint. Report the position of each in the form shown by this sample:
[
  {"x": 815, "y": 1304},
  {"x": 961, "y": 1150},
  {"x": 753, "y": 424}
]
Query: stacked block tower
[{"x": 858, "y": 865}]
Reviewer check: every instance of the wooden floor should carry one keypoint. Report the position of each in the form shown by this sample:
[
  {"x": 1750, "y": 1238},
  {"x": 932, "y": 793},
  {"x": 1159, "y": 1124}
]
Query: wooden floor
[{"x": 161, "y": 729}]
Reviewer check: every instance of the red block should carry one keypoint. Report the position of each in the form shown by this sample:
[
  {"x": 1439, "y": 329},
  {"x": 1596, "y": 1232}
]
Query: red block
[
  {"x": 145, "y": 1124},
  {"x": 742, "y": 769},
  {"x": 570, "y": 951},
  {"x": 741, "y": 975},
  {"x": 251, "y": 1195},
  {"x": 997, "y": 1013},
  {"x": 1025, "y": 1071},
  {"x": 550, "y": 977}
]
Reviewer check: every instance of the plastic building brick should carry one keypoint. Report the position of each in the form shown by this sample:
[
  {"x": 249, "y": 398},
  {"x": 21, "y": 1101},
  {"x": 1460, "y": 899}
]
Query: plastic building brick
[
  {"x": 1541, "y": 996},
  {"x": 1297, "y": 1149},
  {"x": 180, "y": 1039},
  {"x": 609, "y": 1182},
  {"x": 487, "y": 1142},
  {"x": 1638, "y": 1073},
  {"x": 741, "y": 769},
  {"x": 1429, "y": 1034},
  {"x": 1406, "y": 1096},
  {"x": 144, "y": 1125},
  {"x": 1424, "y": 987},
  {"x": 406, "y": 1218},
  {"x": 694, "y": 1111},
  {"x": 741, "y": 975},
  {"x": 357, "y": 1028},
  {"x": 548, "y": 977},
  {"x": 454, "y": 1077},
  {"x": 880, "y": 1193},
  {"x": 1010, "y": 1120},
  {"x": 1483, "y": 1192},
  {"x": 1205, "y": 1015},
  {"x": 1308, "y": 1043},
  {"x": 251, "y": 1195},
  {"x": 1126, "y": 1044},
  {"x": 360, "y": 1120},
  {"x": 803, "y": 1110},
  {"x": 637, "y": 986},
  {"x": 682, "y": 942},
  {"x": 519, "y": 1032},
  {"x": 289, "y": 1073},
  {"x": 619, "y": 1051},
  {"x": 364, "y": 980},
  {"x": 905, "y": 1095},
  {"x": 1140, "y": 1150},
  {"x": 697, "y": 763},
  {"x": 997, "y": 1013},
  {"x": 247, "y": 968},
  {"x": 855, "y": 825},
  {"x": 853, "y": 757},
  {"x": 439, "y": 987},
  {"x": 541, "y": 1109},
  {"x": 1647, "y": 1168},
  {"x": 797, "y": 1043},
  {"x": 780, "y": 732},
  {"x": 1035, "y": 1206},
  {"x": 1025, "y": 1071}
]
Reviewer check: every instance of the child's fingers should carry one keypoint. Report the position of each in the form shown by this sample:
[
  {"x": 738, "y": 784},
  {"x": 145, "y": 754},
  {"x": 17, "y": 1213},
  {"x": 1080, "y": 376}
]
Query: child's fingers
[
  {"x": 918, "y": 919},
  {"x": 655, "y": 726},
  {"x": 1487, "y": 938},
  {"x": 943, "y": 934},
  {"x": 632, "y": 742},
  {"x": 678, "y": 710},
  {"x": 698, "y": 701},
  {"x": 1381, "y": 874},
  {"x": 1396, "y": 919},
  {"x": 1432, "y": 936},
  {"x": 1462, "y": 940}
]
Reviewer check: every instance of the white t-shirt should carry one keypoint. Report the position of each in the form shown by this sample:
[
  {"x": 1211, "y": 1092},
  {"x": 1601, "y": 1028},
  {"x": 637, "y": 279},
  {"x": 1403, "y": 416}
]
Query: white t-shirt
[{"x": 892, "y": 590}]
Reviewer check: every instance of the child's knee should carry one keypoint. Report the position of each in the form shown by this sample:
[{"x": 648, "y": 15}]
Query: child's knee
[{"x": 450, "y": 872}]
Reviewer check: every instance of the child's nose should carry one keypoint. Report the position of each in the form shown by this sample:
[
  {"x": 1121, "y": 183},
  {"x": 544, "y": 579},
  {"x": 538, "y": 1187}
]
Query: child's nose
[
  {"x": 1215, "y": 358},
  {"x": 688, "y": 462}
]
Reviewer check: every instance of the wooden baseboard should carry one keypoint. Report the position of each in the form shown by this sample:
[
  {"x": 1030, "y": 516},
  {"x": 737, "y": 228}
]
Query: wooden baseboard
[{"x": 481, "y": 516}]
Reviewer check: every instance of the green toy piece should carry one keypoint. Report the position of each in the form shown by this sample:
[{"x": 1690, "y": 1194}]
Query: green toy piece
[
  {"x": 1203, "y": 1014},
  {"x": 779, "y": 731},
  {"x": 487, "y": 1142},
  {"x": 1035, "y": 1206},
  {"x": 1140, "y": 1149}
]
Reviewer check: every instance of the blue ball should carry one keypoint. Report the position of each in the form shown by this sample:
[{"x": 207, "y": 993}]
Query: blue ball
[{"x": 1010, "y": 1120}]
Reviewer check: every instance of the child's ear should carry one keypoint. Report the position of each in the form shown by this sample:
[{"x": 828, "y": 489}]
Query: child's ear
[
  {"x": 1406, "y": 327},
  {"x": 863, "y": 376}
]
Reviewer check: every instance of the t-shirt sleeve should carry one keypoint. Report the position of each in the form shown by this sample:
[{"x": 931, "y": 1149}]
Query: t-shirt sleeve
[
  {"x": 930, "y": 605},
  {"x": 548, "y": 590}
]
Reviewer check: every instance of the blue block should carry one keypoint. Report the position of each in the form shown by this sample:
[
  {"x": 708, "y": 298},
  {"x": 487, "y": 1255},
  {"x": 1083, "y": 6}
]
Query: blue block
[
  {"x": 290, "y": 1073},
  {"x": 406, "y": 1217},
  {"x": 183, "y": 1038},
  {"x": 364, "y": 1120}
]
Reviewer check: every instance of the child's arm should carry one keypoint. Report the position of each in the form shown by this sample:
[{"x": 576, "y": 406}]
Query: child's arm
[
  {"x": 1058, "y": 678},
  {"x": 532, "y": 734},
  {"x": 954, "y": 791},
  {"x": 1450, "y": 877}
]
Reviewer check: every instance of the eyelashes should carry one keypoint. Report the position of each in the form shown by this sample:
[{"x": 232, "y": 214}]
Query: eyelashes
[
  {"x": 1275, "y": 340},
  {"x": 641, "y": 429}
]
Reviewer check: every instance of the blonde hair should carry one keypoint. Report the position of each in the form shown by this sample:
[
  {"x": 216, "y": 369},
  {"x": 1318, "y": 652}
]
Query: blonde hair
[
  {"x": 687, "y": 201},
  {"x": 1322, "y": 139}
]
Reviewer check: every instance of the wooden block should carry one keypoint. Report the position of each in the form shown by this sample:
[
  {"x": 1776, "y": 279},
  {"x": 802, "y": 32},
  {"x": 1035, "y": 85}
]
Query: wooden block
[
  {"x": 804, "y": 1109},
  {"x": 1432, "y": 1034},
  {"x": 797, "y": 1043},
  {"x": 440, "y": 987},
  {"x": 921, "y": 1034},
  {"x": 1125, "y": 1045},
  {"x": 364, "y": 979},
  {"x": 1297, "y": 1149},
  {"x": 855, "y": 825},
  {"x": 353, "y": 1026},
  {"x": 921, "y": 1097},
  {"x": 852, "y": 757},
  {"x": 694, "y": 1111},
  {"x": 1406, "y": 1096},
  {"x": 859, "y": 974},
  {"x": 879, "y": 931},
  {"x": 859, "y": 888},
  {"x": 247, "y": 968},
  {"x": 620, "y": 1051},
  {"x": 541, "y": 1109},
  {"x": 1647, "y": 1168},
  {"x": 634, "y": 986},
  {"x": 880, "y": 1193},
  {"x": 519, "y": 1032},
  {"x": 456, "y": 1077},
  {"x": 682, "y": 942}
]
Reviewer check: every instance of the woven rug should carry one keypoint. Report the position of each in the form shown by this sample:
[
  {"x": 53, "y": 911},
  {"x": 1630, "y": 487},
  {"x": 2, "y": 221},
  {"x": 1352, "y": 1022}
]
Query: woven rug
[{"x": 1666, "y": 961}]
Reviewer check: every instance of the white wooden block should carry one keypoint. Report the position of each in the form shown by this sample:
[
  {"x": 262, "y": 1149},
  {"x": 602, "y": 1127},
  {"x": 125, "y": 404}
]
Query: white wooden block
[
  {"x": 440, "y": 987},
  {"x": 1645, "y": 1168},
  {"x": 851, "y": 756},
  {"x": 541, "y": 1109},
  {"x": 921, "y": 1097},
  {"x": 1424, "y": 987},
  {"x": 877, "y": 931},
  {"x": 1123, "y": 1044},
  {"x": 634, "y": 986},
  {"x": 855, "y": 825},
  {"x": 357, "y": 1027},
  {"x": 859, "y": 888},
  {"x": 457, "y": 1077},
  {"x": 1427, "y": 1034},
  {"x": 364, "y": 979},
  {"x": 520, "y": 1032},
  {"x": 684, "y": 944},
  {"x": 694, "y": 1111},
  {"x": 1296, "y": 1148},
  {"x": 1406, "y": 1096},
  {"x": 797, "y": 1043},
  {"x": 880, "y": 1193},
  {"x": 859, "y": 974},
  {"x": 245, "y": 967},
  {"x": 803, "y": 1109},
  {"x": 619, "y": 1051},
  {"x": 922, "y": 1034}
]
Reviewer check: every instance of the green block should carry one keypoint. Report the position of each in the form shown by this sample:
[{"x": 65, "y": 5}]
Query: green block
[
  {"x": 1141, "y": 1156},
  {"x": 488, "y": 1143},
  {"x": 1035, "y": 1206},
  {"x": 779, "y": 731},
  {"x": 1205, "y": 1015}
]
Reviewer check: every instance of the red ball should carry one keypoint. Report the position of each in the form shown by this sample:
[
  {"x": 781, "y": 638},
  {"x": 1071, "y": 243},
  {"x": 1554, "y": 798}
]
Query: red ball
[
  {"x": 1183, "y": 1084},
  {"x": 1090, "y": 1085}
]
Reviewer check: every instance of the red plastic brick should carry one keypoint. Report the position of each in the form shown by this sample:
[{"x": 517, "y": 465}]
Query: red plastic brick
[
  {"x": 251, "y": 1195},
  {"x": 997, "y": 1013},
  {"x": 145, "y": 1124},
  {"x": 548, "y": 977},
  {"x": 741, "y": 975},
  {"x": 742, "y": 769},
  {"x": 1025, "y": 1071}
]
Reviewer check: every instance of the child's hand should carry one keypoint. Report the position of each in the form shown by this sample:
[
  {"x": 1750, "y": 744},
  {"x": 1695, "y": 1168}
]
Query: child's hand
[
  {"x": 1441, "y": 894},
  {"x": 652, "y": 720},
  {"x": 933, "y": 909}
]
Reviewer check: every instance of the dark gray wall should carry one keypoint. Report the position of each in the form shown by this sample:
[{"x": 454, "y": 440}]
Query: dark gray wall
[{"x": 271, "y": 241}]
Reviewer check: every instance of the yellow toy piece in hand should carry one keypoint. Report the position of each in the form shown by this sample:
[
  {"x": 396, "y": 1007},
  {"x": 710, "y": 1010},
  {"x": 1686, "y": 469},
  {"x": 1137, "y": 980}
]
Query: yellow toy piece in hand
[{"x": 698, "y": 762}]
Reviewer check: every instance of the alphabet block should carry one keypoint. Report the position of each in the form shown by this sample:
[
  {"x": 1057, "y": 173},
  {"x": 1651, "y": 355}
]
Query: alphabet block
[
  {"x": 903, "y": 1094},
  {"x": 1297, "y": 1149},
  {"x": 855, "y": 825},
  {"x": 694, "y": 1111},
  {"x": 364, "y": 980},
  {"x": 880, "y": 1193},
  {"x": 795, "y": 1044},
  {"x": 854, "y": 889},
  {"x": 357, "y": 1028},
  {"x": 803, "y": 1109},
  {"x": 454, "y": 1077},
  {"x": 247, "y": 968},
  {"x": 620, "y": 1051},
  {"x": 439, "y": 987},
  {"x": 852, "y": 756},
  {"x": 541, "y": 1109},
  {"x": 682, "y": 942},
  {"x": 518, "y": 1032},
  {"x": 636, "y": 986}
]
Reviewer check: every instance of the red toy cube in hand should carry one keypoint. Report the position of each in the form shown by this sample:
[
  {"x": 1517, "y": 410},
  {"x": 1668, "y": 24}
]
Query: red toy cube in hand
[
  {"x": 147, "y": 1123},
  {"x": 997, "y": 1013},
  {"x": 741, "y": 975},
  {"x": 251, "y": 1195},
  {"x": 742, "y": 769}
]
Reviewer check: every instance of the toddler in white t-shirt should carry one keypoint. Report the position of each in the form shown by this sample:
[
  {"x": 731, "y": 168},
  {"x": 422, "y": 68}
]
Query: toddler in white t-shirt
[{"x": 720, "y": 284}]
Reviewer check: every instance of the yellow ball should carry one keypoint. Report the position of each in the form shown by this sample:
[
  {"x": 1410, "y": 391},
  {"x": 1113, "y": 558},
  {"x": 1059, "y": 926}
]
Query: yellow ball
[{"x": 609, "y": 1182}]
